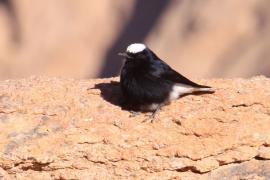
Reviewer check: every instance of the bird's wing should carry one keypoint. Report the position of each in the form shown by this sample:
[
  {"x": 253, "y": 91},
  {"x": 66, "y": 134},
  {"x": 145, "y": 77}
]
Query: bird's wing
[{"x": 165, "y": 72}]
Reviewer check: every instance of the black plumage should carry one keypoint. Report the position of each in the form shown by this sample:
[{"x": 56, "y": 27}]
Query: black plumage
[{"x": 147, "y": 82}]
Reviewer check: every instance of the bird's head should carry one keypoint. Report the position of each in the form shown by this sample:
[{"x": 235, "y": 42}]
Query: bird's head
[{"x": 137, "y": 51}]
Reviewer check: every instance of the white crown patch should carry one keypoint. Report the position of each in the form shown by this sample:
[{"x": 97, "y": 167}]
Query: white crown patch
[{"x": 135, "y": 48}]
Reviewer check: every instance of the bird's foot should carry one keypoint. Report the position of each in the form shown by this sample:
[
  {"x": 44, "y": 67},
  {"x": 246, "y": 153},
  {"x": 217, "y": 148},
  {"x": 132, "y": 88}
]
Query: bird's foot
[
  {"x": 149, "y": 118},
  {"x": 152, "y": 116},
  {"x": 134, "y": 113}
]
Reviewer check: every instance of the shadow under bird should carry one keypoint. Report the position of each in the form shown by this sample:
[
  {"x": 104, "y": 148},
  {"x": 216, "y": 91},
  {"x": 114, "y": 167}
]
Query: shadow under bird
[{"x": 148, "y": 83}]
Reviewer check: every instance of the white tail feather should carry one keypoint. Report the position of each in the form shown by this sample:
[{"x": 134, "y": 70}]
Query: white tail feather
[
  {"x": 181, "y": 89},
  {"x": 204, "y": 89}
]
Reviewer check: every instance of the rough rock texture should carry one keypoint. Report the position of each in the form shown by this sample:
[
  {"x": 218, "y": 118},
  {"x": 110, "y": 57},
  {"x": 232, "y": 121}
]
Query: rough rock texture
[{"x": 53, "y": 128}]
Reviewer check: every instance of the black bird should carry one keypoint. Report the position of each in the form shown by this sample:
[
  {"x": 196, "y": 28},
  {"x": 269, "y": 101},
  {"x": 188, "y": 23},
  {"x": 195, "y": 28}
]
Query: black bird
[{"x": 148, "y": 83}]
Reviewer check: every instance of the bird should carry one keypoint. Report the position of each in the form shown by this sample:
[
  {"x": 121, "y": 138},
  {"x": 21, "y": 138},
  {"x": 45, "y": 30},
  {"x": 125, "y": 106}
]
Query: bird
[{"x": 148, "y": 83}]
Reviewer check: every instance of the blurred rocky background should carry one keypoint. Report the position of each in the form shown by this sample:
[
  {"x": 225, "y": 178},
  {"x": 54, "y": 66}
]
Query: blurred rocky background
[{"x": 81, "y": 38}]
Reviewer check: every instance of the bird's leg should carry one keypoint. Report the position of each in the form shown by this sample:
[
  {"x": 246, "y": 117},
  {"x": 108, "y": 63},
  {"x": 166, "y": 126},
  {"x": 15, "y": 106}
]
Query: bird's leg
[
  {"x": 130, "y": 108},
  {"x": 153, "y": 115}
]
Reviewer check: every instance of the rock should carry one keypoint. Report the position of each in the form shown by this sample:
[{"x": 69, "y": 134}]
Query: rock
[
  {"x": 56, "y": 128},
  {"x": 264, "y": 152}
]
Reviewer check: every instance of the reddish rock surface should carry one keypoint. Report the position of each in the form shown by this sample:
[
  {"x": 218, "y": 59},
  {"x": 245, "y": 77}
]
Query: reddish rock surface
[{"x": 54, "y": 128}]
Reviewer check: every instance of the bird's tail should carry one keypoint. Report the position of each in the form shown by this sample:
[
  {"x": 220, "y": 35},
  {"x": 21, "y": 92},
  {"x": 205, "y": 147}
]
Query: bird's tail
[{"x": 204, "y": 89}]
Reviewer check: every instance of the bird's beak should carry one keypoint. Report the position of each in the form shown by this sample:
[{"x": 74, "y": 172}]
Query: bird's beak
[{"x": 123, "y": 54}]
